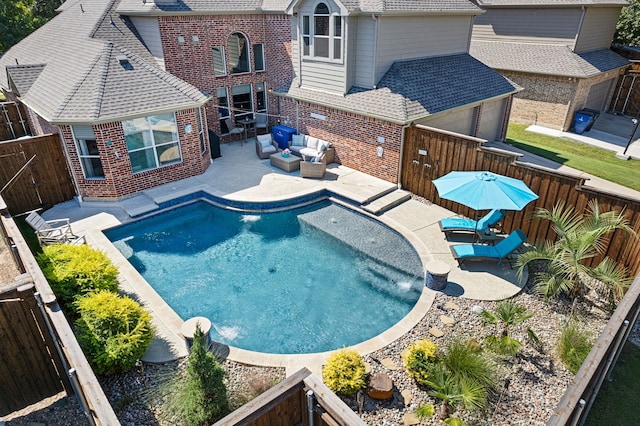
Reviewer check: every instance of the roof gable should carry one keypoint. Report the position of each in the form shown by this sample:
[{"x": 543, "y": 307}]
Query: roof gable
[{"x": 23, "y": 76}]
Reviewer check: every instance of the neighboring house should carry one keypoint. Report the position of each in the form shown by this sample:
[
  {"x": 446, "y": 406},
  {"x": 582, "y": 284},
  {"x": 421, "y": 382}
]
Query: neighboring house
[
  {"x": 558, "y": 50},
  {"x": 133, "y": 85}
]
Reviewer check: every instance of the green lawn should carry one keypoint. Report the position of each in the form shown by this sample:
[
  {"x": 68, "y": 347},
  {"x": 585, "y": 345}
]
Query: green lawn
[
  {"x": 595, "y": 161},
  {"x": 617, "y": 401}
]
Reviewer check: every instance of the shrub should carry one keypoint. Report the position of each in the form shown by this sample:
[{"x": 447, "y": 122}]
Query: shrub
[
  {"x": 424, "y": 410},
  {"x": 464, "y": 361},
  {"x": 113, "y": 331},
  {"x": 574, "y": 344},
  {"x": 204, "y": 394},
  {"x": 344, "y": 372},
  {"x": 74, "y": 271},
  {"x": 420, "y": 357}
]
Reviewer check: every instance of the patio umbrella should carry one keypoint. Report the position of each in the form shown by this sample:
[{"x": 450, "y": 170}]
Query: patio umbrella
[{"x": 484, "y": 190}]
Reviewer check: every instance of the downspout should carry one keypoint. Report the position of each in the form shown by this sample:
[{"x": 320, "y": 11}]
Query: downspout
[
  {"x": 575, "y": 42},
  {"x": 300, "y": 49},
  {"x": 375, "y": 52},
  {"x": 404, "y": 130}
]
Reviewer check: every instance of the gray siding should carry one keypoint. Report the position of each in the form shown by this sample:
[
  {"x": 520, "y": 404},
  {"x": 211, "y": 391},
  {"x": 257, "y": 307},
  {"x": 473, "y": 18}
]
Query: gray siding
[
  {"x": 363, "y": 53},
  {"x": 491, "y": 119},
  {"x": 419, "y": 37},
  {"x": 551, "y": 26},
  {"x": 459, "y": 121},
  {"x": 598, "y": 97},
  {"x": 323, "y": 76},
  {"x": 598, "y": 28},
  {"x": 150, "y": 32}
]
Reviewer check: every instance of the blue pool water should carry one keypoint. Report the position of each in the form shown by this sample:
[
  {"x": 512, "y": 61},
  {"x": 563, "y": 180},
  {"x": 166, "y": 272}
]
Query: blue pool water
[{"x": 304, "y": 280}]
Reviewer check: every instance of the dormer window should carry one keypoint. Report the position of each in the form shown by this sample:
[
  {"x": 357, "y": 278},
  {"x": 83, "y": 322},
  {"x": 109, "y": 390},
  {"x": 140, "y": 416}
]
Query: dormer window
[{"x": 322, "y": 34}]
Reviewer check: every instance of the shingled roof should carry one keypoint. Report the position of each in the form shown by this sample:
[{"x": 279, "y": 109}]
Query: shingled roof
[
  {"x": 138, "y": 7},
  {"x": 416, "y": 88},
  {"x": 545, "y": 59},
  {"x": 87, "y": 66},
  {"x": 548, "y": 3}
]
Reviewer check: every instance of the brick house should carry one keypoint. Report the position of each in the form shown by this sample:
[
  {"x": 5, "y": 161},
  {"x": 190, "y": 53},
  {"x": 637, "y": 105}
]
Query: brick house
[
  {"x": 557, "y": 50},
  {"x": 132, "y": 86}
]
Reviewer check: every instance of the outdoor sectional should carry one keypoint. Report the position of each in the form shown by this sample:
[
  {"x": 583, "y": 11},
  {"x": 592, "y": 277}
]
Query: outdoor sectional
[{"x": 308, "y": 146}]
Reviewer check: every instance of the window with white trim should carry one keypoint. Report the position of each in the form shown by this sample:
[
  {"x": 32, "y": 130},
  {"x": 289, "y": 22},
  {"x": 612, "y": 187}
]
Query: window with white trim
[
  {"x": 258, "y": 57},
  {"x": 238, "y": 51},
  {"x": 322, "y": 34},
  {"x": 242, "y": 98},
  {"x": 219, "y": 64},
  {"x": 88, "y": 153},
  {"x": 152, "y": 142},
  {"x": 203, "y": 140},
  {"x": 223, "y": 108},
  {"x": 261, "y": 97}
]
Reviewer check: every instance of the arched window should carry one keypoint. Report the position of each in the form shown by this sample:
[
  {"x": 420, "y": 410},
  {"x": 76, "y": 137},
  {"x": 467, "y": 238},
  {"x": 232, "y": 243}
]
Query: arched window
[
  {"x": 322, "y": 34},
  {"x": 238, "y": 51}
]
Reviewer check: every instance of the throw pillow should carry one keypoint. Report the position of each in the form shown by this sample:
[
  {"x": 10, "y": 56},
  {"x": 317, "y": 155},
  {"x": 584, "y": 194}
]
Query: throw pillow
[
  {"x": 297, "y": 140},
  {"x": 312, "y": 143},
  {"x": 322, "y": 145},
  {"x": 264, "y": 140}
]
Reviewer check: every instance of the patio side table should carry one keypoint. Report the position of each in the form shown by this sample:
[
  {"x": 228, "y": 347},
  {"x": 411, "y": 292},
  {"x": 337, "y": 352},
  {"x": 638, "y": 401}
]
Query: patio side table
[{"x": 437, "y": 275}]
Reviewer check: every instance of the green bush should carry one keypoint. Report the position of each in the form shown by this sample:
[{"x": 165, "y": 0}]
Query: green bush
[
  {"x": 463, "y": 360},
  {"x": 344, "y": 372},
  {"x": 204, "y": 396},
  {"x": 424, "y": 410},
  {"x": 420, "y": 357},
  {"x": 74, "y": 271},
  {"x": 113, "y": 331},
  {"x": 574, "y": 344}
]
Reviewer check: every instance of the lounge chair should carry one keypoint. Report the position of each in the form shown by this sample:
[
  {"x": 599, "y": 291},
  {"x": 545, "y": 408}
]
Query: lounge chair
[
  {"x": 500, "y": 251},
  {"x": 265, "y": 146},
  {"x": 460, "y": 224},
  {"x": 47, "y": 233}
]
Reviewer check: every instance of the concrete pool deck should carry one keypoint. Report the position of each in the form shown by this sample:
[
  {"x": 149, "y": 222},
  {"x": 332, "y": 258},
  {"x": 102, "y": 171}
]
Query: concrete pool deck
[{"x": 240, "y": 175}]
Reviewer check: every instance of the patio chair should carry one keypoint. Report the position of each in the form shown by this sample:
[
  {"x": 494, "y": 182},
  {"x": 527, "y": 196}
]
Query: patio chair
[
  {"x": 47, "y": 233},
  {"x": 232, "y": 129},
  {"x": 463, "y": 252},
  {"x": 314, "y": 167},
  {"x": 262, "y": 122},
  {"x": 460, "y": 224},
  {"x": 265, "y": 146}
]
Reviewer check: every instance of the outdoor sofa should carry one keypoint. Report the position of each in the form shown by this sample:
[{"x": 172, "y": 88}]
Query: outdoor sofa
[{"x": 305, "y": 145}]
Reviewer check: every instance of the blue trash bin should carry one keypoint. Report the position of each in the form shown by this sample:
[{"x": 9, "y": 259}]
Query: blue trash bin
[
  {"x": 582, "y": 121},
  {"x": 282, "y": 135}
]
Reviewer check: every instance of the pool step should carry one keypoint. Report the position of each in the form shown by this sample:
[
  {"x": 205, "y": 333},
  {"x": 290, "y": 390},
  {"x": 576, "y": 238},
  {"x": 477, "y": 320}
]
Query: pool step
[{"x": 387, "y": 201}]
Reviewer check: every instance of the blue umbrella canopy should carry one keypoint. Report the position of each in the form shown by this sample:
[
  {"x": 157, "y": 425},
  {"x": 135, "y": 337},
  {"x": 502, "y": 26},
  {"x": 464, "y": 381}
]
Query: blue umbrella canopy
[{"x": 484, "y": 190}]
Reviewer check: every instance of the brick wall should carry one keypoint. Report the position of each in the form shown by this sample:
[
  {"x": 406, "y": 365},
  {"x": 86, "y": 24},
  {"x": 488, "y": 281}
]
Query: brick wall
[
  {"x": 545, "y": 100},
  {"x": 192, "y": 61},
  {"x": 119, "y": 179},
  {"x": 39, "y": 126},
  {"x": 354, "y": 137}
]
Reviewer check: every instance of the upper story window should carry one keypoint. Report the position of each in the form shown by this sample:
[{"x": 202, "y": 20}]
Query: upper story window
[
  {"x": 238, "y": 51},
  {"x": 258, "y": 57},
  {"x": 152, "y": 141},
  {"x": 322, "y": 34},
  {"x": 219, "y": 65}
]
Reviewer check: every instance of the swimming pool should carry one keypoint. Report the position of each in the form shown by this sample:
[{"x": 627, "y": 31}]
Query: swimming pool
[{"x": 303, "y": 280}]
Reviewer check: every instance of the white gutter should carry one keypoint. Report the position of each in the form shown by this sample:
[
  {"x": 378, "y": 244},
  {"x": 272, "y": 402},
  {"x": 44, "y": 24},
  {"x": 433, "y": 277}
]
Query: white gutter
[
  {"x": 575, "y": 41},
  {"x": 375, "y": 50}
]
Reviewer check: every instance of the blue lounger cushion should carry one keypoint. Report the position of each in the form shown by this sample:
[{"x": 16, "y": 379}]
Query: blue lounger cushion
[
  {"x": 498, "y": 252},
  {"x": 452, "y": 224}
]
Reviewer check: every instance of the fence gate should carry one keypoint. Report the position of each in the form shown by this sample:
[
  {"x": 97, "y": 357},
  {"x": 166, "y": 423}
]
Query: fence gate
[
  {"x": 44, "y": 182},
  {"x": 13, "y": 121},
  {"x": 31, "y": 369}
]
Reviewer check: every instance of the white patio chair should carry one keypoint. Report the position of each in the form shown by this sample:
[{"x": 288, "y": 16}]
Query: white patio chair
[{"x": 47, "y": 233}]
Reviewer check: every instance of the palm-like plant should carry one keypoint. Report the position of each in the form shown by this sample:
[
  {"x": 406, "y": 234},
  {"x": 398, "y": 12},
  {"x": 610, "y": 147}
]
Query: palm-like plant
[
  {"x": 509, "y": 314},
  {"x": 453, "y": 390},
  {"x": 580, "y": 238}
]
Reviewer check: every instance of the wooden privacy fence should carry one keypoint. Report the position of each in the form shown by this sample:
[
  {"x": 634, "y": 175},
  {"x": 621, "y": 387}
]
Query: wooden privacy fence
[
  {"x": 57, "y": 334},
  {"x": 44, "y": 182},
  {"x": 301, "y": 399},
  {"x": 430, "y": 153},
  {"x": 13, "y": 121},
  {"x": 31, "y": 369}
]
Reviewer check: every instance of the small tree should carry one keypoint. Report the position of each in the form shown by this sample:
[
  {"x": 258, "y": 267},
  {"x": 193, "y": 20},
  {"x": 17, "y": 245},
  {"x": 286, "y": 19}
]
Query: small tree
[
  {"x": 579, "y": 238},
  {"x": 628, "y": 27},
  {"x": 204, "y": 395}
]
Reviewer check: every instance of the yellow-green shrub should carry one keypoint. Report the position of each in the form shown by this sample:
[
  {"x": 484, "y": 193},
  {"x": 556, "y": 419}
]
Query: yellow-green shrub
[
  {"x": 344, "y": 372},
  {"x": 113, "y": 331},
  {"x": 421, "y": 355},
  {"x": 74, "y": 271}
]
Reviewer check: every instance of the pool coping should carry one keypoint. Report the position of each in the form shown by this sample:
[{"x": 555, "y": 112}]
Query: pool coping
[{"x": 169, "y": 343}]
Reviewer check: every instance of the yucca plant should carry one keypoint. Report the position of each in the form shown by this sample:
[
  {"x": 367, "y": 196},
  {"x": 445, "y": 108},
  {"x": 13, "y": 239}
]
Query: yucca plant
[{"x": 454, "y": 390}]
